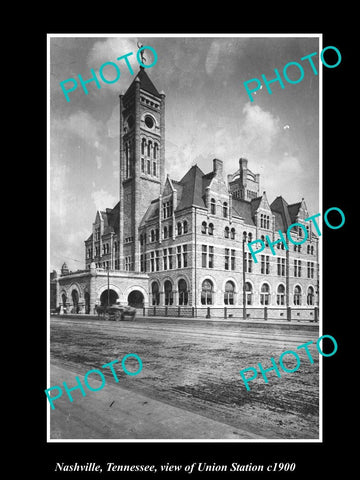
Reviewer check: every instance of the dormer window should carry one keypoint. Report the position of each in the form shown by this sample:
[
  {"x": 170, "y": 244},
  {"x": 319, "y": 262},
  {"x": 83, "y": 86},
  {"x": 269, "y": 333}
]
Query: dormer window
[{"x": 225, "y": 210}]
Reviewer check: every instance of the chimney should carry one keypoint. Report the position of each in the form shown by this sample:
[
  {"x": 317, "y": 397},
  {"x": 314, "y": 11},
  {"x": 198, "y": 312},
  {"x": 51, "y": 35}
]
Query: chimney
[{"x": 218, "y": 166}]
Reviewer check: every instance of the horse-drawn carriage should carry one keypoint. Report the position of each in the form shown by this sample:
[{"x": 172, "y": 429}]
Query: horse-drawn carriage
[{"x": 116, "y": 312}]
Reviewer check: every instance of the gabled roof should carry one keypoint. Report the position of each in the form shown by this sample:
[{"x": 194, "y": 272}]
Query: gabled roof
[
  {"x": 255, "y": 203},
  {"x": 280, "y": 206},
  {"x": 243, "y": 209},
  {"x": 110, "y": 218},
  {"x": 294, "y": 210},
  {"x": 192, "y": 189}
]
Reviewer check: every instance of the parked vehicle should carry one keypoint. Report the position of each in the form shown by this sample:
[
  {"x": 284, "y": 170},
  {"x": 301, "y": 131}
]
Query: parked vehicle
[{"x": 116, "y": 312}]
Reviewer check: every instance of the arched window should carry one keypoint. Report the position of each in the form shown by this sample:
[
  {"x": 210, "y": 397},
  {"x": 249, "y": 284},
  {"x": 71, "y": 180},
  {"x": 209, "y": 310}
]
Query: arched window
[
  {"x": 155, "y": 294},
  {"x": 310, "y": 296},
  {"x": 185, "y": 226},
  {"x": 297, "y": 295},
  {"x": 169, "y": 298},
  {"x": 229, "y": 293},
  {"x": 232, "y": 234},
  {"x": 312, "y": 250},
  {"x": 226, "y": 232},
  {"x": 265, "y": 294},
  {"x": 152, "y": 235},
  {"x": 250, "y": 237},
  {"x": 308, "y": 249},
  {"x": 127, "y": 160},
  {"x": 213, "y": 206},
  {"x": 225, "y": 210},
  {"x": 179, "y": 228},
  {"x": 280, "y": 296},
  {"x": 149, "y": 146},
  {"x": 211, "y": 229},
  {"x": 203, "y": 227},
  {"x": 244, "y": 236},
  {"x": 143, "y": 143},
  {"x": 207, "y": 292},
  {"x": 64, "y": 299},
  {"x": 248, "y": 293},
  {"x": 183, "y": 292}
]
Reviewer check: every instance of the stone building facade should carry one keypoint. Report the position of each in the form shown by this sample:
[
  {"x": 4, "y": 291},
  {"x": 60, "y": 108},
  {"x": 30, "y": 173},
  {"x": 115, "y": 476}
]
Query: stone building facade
[{"x": 180, "y": 247}]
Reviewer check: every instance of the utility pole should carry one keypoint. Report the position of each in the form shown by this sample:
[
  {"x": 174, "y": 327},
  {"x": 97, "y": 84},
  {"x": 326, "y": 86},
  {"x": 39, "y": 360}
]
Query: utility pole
[
  {"x": 108, "y": 285},
  {"x": 244, "y": 279}
]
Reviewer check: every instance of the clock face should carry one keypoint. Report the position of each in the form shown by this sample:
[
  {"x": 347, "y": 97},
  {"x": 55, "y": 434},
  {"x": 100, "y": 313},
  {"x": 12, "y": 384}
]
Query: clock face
[{"x": 149, "y": 121}]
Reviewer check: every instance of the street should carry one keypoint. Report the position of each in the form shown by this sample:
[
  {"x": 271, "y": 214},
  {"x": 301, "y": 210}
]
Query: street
[{"x": 189, "y": 386}]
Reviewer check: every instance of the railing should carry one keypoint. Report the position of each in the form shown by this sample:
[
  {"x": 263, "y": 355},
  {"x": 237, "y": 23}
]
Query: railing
[{"x": 258, "y": 313}]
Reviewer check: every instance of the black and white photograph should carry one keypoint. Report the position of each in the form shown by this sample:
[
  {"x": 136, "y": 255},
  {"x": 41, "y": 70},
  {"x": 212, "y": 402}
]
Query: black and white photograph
[{"x": 185, "y": 236}]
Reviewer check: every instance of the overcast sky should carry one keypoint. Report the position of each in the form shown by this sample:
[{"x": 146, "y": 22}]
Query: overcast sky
[{"x": 208, "y": 115}]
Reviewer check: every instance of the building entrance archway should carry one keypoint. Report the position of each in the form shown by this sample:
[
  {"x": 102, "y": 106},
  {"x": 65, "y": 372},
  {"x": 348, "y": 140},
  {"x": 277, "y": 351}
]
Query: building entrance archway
[
  {"x": 108, "y": 298},
  {"x": 87, "y": 302},
  {"x": 136, "y": 299},
  {"x": 75, "y": 301}
]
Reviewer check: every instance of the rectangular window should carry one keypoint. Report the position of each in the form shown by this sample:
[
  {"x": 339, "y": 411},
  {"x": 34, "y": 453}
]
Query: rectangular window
[
  {"x": 128, "y": 263},
  {"x": 185, "y": 256},
  {"x": 281, "y": 266},
  {"x": 211, "y": 256},
  {"x": 152, "y": 261},
  {"x": 249, "y": 262},
  {"x": 142, "y": 262},
  {"x": 204, "y": 256},
  {"x": 167, "y": 209},
  {"x": 170, "y": 258},
  {"x": 227, "y": 259},
  {"x": 232, "y": 259},
  {"x": 297, "y": 268},
  {"x": 165, "y": 258},
  {"x": 263, "y": 264},
  {"x": 154, "y": 169},
  {"x": 148, "y": 167},
  {"x": 178, "y": 256},
  {"x": 310, "y": 269},
  {"x": 143, "y": 165},
  {"x": 267, "y": 261},
  {"x": 157, "y": 260}
]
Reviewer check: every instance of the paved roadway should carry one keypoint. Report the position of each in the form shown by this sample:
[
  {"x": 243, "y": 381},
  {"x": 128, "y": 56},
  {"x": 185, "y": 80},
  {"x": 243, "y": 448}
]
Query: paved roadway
[{"x": 185, "y": 390}]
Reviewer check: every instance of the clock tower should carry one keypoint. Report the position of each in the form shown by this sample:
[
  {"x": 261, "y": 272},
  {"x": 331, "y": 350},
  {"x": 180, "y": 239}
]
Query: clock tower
[{"x": 142, "y": 161}]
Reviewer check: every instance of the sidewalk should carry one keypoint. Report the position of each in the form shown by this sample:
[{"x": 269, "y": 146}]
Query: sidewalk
[
  {"x": 115, "y": 413},
  {"x": 310, "y": 325}
]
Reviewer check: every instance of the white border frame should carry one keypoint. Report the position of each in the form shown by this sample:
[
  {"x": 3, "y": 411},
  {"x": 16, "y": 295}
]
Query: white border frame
[{"x": 320, "y": 296}]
